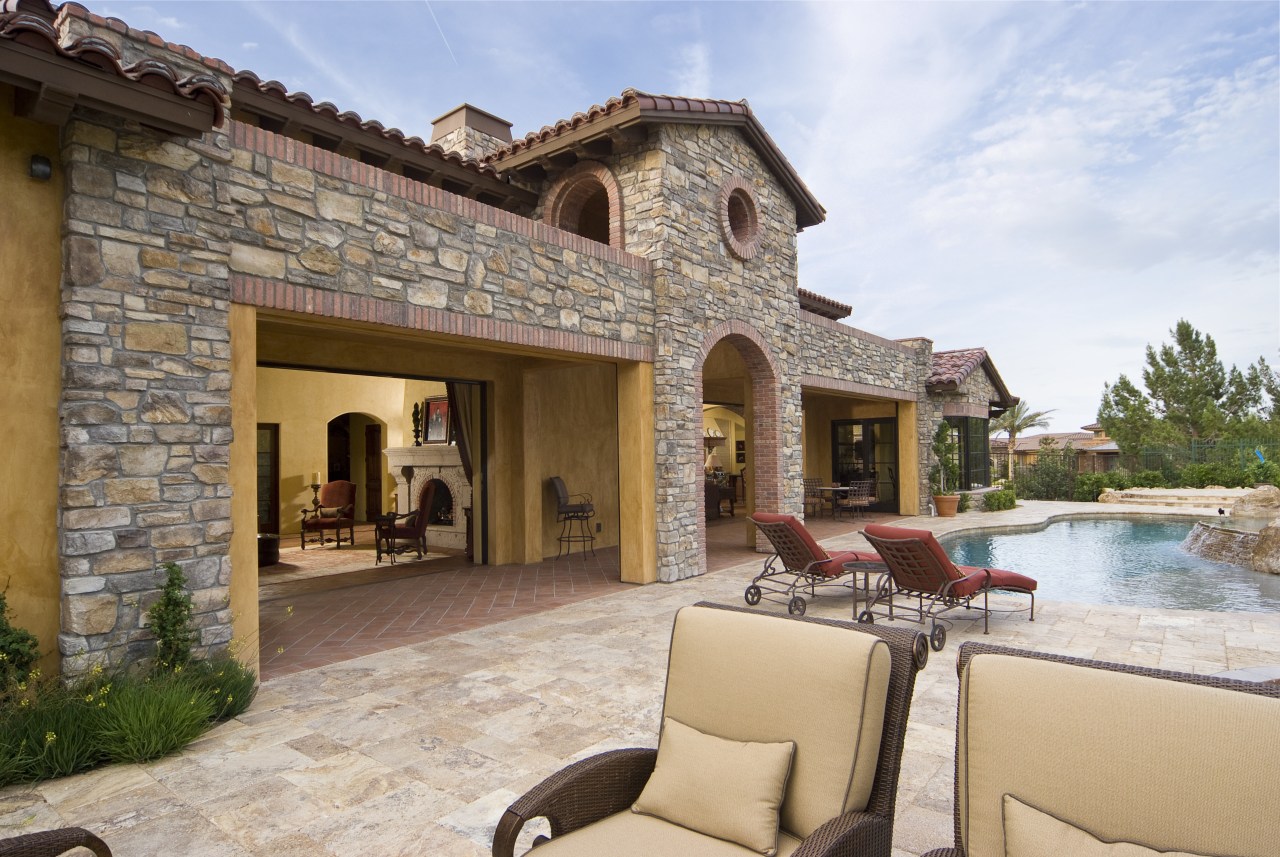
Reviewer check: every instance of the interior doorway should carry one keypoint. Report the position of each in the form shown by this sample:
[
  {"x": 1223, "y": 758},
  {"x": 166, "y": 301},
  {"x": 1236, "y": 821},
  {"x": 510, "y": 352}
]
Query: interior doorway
[{"x": 867, "y": 450}]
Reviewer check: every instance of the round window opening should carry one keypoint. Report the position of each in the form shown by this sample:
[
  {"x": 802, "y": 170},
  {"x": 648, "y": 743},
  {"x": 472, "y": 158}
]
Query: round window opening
[{"x": 739, "y": 221}]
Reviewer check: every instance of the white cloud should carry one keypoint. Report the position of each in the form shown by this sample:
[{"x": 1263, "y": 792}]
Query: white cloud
[{"x": 693, "y": 72}]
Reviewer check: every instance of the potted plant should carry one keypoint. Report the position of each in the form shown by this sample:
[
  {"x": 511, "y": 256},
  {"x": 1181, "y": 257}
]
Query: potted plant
[{"x": 945, "y": 473}]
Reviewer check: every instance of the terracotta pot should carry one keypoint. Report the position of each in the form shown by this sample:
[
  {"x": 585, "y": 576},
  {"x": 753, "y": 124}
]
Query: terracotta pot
[{"x": 946, "y": 504}]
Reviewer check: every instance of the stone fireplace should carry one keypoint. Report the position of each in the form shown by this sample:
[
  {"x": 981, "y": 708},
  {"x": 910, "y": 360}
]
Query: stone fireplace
[{"x": 438, "y": 461}]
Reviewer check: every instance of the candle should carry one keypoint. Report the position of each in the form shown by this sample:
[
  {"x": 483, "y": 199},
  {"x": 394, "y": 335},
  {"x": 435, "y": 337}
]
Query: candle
[{"x": 315, "y": 478}]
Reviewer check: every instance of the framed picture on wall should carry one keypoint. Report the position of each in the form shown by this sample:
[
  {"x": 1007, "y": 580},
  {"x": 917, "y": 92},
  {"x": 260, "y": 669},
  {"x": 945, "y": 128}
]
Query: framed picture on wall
[
  {"x": 436, "y": 421},
  {"x": 741, "y": 457},
  {"x": 739, "y": 446}
]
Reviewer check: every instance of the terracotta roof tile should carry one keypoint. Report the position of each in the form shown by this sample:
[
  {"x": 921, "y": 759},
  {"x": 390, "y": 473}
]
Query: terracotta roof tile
[
  {"x": 823, "y": 305},
  {"x": 809, "y": 211},
  {"x": 329, "y": 112},
  {"x": 951, "y": 368},
  {"x": 32, "y": 25}
]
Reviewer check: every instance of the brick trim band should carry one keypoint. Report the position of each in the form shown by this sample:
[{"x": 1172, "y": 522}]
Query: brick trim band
[
  {"x": 818, "y": 382},
  {"x": 304, "y": 155},
  {"x": 274, "y": 294}
]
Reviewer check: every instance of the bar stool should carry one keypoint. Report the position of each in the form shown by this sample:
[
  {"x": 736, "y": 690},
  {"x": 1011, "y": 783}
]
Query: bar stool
[{"x": 571, "y": 508}]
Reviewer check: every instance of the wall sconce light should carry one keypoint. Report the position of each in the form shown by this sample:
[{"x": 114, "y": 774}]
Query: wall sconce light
[{"x": 41, "y": 168}]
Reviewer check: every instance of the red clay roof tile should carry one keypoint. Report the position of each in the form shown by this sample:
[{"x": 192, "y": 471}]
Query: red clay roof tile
[
  {"x": 32, "y": 24},
  {"x": 329, "y": 112},
  {"x": 651, "y": 107}
]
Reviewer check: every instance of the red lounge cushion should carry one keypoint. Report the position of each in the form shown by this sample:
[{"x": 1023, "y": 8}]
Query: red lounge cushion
[
  {"x": 975, "y": 578},
  {"x": 880, "y": 531},
  {"x": 827, "y": 564}
]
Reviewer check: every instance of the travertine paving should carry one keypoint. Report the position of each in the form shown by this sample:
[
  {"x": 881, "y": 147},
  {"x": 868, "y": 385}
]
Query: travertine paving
[{"x": 418, "y": 750}]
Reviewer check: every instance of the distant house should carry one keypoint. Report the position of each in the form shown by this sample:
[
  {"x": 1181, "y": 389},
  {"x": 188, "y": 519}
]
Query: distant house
[{"x": 1095, "y": 452}]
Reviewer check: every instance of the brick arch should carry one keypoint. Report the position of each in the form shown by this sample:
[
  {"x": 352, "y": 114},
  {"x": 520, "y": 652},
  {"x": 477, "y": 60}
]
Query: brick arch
[
  {"x": 574, "y": 187},
  {"x": 765, "y": 464}
]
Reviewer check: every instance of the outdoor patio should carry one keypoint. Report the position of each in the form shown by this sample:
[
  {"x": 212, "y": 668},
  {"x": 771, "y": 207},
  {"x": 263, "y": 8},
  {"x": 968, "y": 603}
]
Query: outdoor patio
[{"x": 418, "y": 749}]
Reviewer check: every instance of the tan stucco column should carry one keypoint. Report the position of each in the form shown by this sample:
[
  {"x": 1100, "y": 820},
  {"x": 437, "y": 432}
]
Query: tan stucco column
[
  {"x": 30, "y": 345},
  {"x": 637, "y": 488},
  {"x": 908, "y": 460},
  {"x": 244, "y": 484}
]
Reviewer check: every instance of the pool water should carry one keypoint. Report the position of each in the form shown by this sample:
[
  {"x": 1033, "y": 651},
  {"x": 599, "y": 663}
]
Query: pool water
[{"x": 1128, "y": 562}]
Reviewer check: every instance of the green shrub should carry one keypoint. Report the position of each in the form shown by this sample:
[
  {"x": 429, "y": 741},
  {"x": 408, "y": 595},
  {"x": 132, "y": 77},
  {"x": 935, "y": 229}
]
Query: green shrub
[
  {"x": 964, "y": 503},
  {"x": 1262, "y": 473},
  {"x": 46, "y": 731},
  {"x": 996, "y": 501},
  {"x": 1203, "y": 474},
  {"x": 146, "y": 717},
  {"x": 1089, "y": 487},
  {"x": 1149, "y": 479},
  {"x": 170, "y": 620},
  {"x": 19, "y": 650},
  {"x": 229, "y": 685}
]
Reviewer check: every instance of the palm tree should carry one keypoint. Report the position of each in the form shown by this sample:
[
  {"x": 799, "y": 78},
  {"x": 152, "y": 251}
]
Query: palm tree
[{"x": 1017, "y": 420}]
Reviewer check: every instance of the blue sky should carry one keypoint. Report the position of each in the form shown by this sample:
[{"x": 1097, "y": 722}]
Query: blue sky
[{"x": 1058, "y": 182}]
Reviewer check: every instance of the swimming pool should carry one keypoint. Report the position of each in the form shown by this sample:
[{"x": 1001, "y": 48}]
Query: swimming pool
[{"x": 1129, "y": 562}]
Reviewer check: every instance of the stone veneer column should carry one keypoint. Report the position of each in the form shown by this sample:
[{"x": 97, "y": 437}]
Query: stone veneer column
[{"x": 145, "y": 404}]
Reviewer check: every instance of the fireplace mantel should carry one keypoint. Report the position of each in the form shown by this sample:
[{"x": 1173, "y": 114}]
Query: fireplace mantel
[{"x": 432, "y": 461}]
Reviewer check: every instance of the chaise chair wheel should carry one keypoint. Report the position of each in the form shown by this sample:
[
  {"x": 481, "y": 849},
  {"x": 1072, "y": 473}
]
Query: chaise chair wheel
[
  {"x": 796, "y": 606},
  {"x": 752, "y": 595},
  {"x": 938, "y": 637},
  {"x": 866, "y": 618},
  {"x": 920, "y": 651}
]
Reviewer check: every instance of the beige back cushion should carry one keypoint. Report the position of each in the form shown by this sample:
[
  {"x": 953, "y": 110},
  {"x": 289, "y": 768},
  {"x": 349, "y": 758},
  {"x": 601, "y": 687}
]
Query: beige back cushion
[
  {"x": 757, "y": 678},
  {"x": 1164, "y": 764},
  {"x": 1031, "y": 833}
]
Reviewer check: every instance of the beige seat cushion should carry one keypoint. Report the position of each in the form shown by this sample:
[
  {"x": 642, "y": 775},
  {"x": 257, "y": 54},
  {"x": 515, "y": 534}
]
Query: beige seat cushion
[
  {"x": 627, "y": 834},
  {"x": 1127, "y": 758},
  {"x": 1028, "y": 832},
  {"x": 768, "y": 679},
  {"x": 727, "y": 789}
]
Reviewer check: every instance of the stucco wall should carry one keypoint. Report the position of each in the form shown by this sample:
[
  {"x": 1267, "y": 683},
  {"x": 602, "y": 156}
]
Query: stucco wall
[
  {"x": 303, "y": 403},
  {"x": 30, "y": 268}
]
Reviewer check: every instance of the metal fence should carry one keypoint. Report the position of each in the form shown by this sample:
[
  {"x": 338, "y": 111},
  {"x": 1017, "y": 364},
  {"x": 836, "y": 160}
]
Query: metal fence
[{"x": 1052, "y": 470}]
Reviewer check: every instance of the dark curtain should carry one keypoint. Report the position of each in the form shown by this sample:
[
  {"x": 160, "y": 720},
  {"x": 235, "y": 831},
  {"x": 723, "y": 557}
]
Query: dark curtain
[{"x": 460, "y": 415}]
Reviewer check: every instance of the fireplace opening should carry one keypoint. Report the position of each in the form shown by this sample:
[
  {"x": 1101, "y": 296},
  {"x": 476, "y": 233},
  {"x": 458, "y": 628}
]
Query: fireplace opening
[{"x": 441, "y": 511}]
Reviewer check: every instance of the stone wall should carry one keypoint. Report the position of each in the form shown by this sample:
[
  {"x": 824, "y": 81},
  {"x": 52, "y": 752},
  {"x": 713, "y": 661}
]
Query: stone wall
[
  {"x": 145, "y": 405},
  {"x": 703, "y": 294},
  {"x": 162, "y": 234},
  {"x": 311, "y": 218}
]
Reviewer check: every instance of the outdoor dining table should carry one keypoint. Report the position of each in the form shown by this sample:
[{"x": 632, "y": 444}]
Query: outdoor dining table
[{"x": 832, "y": 493}]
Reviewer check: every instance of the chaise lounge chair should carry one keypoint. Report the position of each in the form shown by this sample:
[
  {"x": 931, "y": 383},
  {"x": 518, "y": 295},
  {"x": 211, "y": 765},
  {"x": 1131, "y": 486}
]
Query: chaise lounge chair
[
  {"x": 799, "y": 563},
  {"x": 1060, "y": 756},
  {"x": 781, "y": 736},
  {"x": 918, "y": 567}
]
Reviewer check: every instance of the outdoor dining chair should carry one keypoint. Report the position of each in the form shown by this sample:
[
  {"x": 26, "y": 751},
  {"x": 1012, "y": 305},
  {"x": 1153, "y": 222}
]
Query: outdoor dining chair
[{"x": 779, "y": 736}]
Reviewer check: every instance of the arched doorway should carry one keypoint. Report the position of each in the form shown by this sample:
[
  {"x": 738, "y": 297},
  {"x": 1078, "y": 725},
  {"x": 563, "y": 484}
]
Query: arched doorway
[{"x": 740, "y": 394}]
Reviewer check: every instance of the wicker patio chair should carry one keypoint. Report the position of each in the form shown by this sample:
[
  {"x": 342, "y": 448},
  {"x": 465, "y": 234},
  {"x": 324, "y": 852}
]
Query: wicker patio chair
[
  {"x": 842, "y": 697},
  {"x": 813, "y": 500},
  {"x": 919, "y": 568},
  {"x": 799, "y": 564},
  {"x": 51, "y": 843},
  {"x": 1054, "y": 754}
]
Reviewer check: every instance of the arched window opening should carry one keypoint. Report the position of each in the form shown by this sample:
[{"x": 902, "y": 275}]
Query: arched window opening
[{"x": 585, "y": 201}]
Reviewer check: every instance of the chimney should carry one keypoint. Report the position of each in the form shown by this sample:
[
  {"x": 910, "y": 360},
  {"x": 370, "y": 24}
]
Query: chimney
[{"x": 471, "y": 132}]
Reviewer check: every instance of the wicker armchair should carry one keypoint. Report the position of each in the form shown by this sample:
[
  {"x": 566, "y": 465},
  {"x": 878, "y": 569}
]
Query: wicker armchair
[
  {"x": 1068, "y": 750},
  {"x": 51, "y": 843},
  {"x": 751, "y": 676}
]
